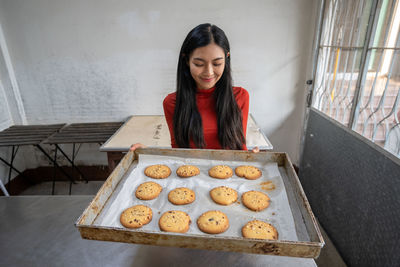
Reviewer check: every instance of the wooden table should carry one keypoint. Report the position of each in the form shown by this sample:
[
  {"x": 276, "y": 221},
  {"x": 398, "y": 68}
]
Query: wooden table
[
  {"x": 152, "y": 131},
  {"x": 80, "y": 133},
  {"x": 54, "y": 135},
  {"x": 24, "y": 135}
]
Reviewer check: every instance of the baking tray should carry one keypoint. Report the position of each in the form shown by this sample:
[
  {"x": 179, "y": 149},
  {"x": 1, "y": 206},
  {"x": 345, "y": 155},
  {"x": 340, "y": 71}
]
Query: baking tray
[{"x": 307, "y": 230}]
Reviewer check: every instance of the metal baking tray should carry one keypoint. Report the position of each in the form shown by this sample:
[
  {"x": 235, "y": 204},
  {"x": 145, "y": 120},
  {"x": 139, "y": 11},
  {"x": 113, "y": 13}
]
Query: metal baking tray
[{"x": 307, "y": 230}]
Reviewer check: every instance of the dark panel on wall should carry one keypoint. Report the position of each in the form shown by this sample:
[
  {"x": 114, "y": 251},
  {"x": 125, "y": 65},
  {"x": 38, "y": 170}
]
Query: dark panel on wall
[{"x": 354, "y": 191}]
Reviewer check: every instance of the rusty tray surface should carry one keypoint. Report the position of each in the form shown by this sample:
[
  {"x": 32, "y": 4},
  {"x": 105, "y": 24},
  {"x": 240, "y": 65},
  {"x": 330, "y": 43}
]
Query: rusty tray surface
[{"x": 310, "y": 243}]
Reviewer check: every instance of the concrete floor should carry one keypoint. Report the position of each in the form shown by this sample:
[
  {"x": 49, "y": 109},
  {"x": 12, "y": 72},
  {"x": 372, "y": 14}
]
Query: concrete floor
[{"x": 329, "y": 256}]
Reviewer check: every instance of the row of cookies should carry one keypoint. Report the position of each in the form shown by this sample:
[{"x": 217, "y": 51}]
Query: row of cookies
[
  {"x": 177, "y": 196},
  {"x": 160, "y": 171},
  {"x": 222, "y": 195},
  {"x": 210, "y": 222}
]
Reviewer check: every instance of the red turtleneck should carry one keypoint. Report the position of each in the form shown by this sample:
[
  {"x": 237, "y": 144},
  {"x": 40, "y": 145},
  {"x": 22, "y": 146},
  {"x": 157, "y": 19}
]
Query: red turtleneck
[{"x": 206, "y": 106}]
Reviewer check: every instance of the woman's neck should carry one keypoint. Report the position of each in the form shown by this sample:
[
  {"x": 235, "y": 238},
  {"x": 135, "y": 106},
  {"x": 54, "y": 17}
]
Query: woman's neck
[{"x": 206, "y": 91}]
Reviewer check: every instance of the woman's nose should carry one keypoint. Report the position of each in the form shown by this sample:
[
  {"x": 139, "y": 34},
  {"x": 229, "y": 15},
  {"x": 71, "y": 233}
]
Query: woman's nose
[{"x": 209, "y": 69}]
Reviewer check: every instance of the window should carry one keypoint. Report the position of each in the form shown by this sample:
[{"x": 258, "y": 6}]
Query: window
[{"x": 357, "y": 78}]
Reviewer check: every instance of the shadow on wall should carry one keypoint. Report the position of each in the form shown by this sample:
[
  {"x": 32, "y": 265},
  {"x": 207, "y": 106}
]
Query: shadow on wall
[{"x": 286, "y": 138}]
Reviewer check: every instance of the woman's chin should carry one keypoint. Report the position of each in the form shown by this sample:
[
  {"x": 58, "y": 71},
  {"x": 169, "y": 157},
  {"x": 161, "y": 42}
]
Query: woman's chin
[{"x": 205, "y": 86}]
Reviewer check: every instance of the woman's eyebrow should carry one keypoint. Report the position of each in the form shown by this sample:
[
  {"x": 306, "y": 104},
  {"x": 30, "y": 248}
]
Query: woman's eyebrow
[{"x": 200, "y": 59}]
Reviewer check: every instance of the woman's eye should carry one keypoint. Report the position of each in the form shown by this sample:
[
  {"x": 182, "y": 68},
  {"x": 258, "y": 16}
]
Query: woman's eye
[
  {"x": 198, "y": 65},
  {"x": 217, "y": 65}
]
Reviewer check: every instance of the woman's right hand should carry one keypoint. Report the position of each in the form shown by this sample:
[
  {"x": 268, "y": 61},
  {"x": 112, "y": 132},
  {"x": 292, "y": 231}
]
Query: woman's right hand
[{"x": 136, "y": 146}]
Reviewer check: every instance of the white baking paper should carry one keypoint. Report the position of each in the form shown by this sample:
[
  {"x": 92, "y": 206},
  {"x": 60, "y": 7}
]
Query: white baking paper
[{"x": 278, "y": 213}]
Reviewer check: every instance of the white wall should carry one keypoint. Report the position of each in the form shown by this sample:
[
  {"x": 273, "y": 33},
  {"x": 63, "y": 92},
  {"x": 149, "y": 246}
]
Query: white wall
[{"x": 85, "y": 61}]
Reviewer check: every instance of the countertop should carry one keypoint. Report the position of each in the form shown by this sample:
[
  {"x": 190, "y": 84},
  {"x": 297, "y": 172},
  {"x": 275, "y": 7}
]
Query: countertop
[{"x": 40, "y": 231}]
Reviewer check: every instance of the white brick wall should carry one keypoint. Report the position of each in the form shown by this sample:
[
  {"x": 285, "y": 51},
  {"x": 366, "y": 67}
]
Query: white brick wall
[{"x": 84, "y": 61}]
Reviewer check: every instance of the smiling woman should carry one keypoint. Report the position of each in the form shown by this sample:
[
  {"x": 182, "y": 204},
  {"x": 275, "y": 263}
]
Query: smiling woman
[
  {"x": 207, "y": 65},
  {"x": 206, "y": 111}
]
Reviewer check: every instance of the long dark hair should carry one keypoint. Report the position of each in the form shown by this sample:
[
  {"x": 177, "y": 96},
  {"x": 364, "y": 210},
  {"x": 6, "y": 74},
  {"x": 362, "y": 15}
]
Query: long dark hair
[{"x": 187, "y": 119}]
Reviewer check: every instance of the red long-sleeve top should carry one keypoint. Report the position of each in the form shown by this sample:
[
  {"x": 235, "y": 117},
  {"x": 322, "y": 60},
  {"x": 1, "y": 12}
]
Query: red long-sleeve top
[{"x": 206, "y": 107}]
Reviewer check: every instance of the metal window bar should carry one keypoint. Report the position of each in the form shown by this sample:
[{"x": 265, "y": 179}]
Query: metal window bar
[
  {"x": 383, "y": 98},
  {"x": 325, "y": 48},
  {"x": 394, "y": 146},
  {"x": 321, "y": 69},
  {"x": 329, "y": 62},
  {"x": 337, "y": 55},
  {"x": 344, "y": 93},
  {"x": 371, "y": 112},
  {"x": 348, "y": 97},
  {"x": 370, "y": 31}
]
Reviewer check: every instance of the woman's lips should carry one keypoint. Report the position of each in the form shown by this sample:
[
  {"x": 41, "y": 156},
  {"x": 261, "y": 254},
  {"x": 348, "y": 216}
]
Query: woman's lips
[{"x": 207, "y": 79}]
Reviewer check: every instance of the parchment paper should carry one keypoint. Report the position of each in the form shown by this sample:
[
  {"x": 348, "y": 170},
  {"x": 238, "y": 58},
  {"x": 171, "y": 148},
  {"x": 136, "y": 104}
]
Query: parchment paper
[{"x": 278, "y": 213}]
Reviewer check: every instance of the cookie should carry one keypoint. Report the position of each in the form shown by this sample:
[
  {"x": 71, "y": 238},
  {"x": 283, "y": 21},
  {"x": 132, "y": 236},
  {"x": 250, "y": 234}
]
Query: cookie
[
  {"x": 260, "y": 230},
  {"x": 220, "y": 172},
  {"x": 223, "y": 195},
  {"x": 255, "y": 200},
  {"x": 181, "y": 196},
  {"x": 185, "y": 171},
  {"x": 158, "y": 171},
  {"x": 148, "y": 191},
  {"x": 136, "y": 216},
  {"x": 213, "y": 222},
  {"x": 174, "y": 221},
  {"x": 248, "y": 172}
]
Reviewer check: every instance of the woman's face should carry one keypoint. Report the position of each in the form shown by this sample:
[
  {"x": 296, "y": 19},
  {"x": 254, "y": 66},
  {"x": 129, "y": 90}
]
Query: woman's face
[{"x": 207, "y": 64}]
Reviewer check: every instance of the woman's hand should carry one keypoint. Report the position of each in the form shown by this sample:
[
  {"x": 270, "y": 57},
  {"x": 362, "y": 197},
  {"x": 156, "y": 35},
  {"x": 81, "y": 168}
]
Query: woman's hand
[
  {"x": 255, "y": 150},
  {"x": 136, "y": 146}
]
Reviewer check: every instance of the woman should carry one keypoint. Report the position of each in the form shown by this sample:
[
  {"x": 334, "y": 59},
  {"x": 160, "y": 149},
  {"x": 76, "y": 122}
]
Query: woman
[{"x": 206, "y": 111}]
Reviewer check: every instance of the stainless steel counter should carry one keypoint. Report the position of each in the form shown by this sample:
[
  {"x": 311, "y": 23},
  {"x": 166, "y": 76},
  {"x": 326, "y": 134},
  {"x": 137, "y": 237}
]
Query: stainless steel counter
[{"x": 40, "y": 231}]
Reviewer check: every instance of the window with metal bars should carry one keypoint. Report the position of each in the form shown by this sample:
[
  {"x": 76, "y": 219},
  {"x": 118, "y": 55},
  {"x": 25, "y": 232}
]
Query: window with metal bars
[{"x": 357, "y": 76}]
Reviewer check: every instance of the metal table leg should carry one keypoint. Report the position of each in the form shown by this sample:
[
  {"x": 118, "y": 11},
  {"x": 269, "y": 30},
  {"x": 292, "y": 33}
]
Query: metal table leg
[
  {"x": 71, "y": 161},
  {"x": 13, "y": 155},
  {"x": 54, "y": 173},
  {"x": 3, "y": 188},
  {"x": 11, "y": 166},
  {"x": 55, "y": 164}
]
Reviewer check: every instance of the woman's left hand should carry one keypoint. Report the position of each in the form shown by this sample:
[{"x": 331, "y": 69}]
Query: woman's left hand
[
  {"x": 255, "y": 150},
  {"x": 136, "y": 146}
]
